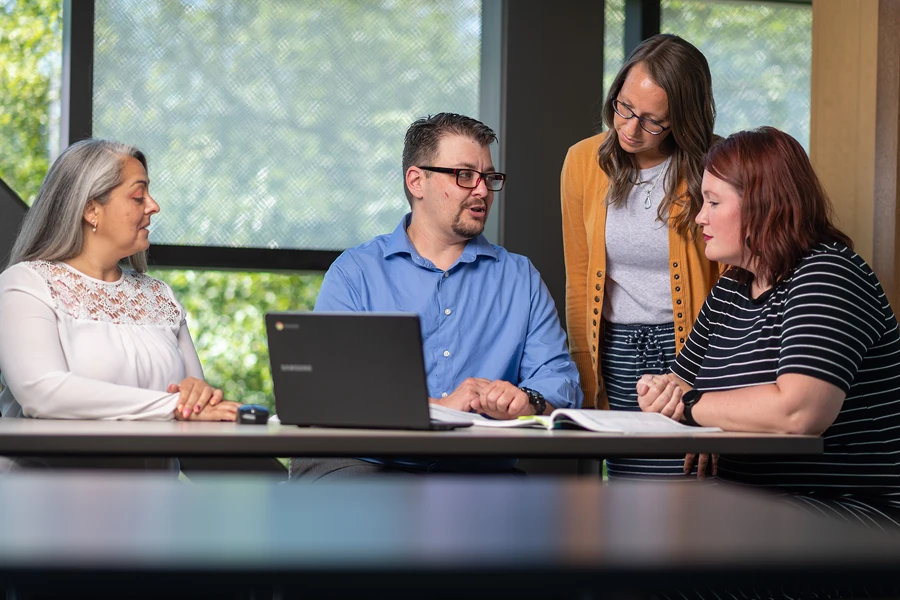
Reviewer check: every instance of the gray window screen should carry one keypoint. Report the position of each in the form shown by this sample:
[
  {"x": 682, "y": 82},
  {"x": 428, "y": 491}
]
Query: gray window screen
[
  {"x": 760, "y": 56},
  {"x": 279, "y": 124},
  {"x": 613, "y": 46}
]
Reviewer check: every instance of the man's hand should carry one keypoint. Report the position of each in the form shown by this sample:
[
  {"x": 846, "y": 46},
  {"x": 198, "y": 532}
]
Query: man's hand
[
  {"x": 194, "y": 395},
  {"x": 224, "y": 410},
  {"x": 464, "y": 397},
  {"x": 662, "y": 394},
  {"x": 503, "y": 400}
]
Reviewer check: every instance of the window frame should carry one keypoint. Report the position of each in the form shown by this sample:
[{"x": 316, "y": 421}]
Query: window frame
[
  {"x": 643, "y": 19},
  {"x": 76, "y": 123}
]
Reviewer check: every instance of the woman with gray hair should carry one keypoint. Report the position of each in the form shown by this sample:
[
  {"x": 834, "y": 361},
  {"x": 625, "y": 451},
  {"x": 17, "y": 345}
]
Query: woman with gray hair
[{"x": 81, "y": 337}]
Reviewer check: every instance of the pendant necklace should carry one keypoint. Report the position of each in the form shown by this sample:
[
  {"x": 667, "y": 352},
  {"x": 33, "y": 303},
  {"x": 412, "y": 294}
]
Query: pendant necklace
[{"x": 665, "y": 167}]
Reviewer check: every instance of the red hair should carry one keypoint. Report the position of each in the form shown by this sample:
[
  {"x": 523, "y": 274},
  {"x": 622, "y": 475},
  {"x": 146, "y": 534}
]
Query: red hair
[{"x": 784, "y": 209}]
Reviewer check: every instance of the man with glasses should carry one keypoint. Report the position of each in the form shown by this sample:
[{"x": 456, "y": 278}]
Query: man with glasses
[{"x": 492, "y": 339}]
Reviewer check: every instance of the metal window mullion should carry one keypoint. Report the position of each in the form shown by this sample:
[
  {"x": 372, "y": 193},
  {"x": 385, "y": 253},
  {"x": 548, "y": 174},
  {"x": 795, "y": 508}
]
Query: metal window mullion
[
  {"x": 642, "y": 20},
  {"x": 76, "y": 111}
]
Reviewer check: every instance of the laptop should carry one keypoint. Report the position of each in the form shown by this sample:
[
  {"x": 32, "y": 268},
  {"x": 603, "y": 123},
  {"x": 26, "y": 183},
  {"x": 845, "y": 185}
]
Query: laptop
[{"x": 350, "y": 369}]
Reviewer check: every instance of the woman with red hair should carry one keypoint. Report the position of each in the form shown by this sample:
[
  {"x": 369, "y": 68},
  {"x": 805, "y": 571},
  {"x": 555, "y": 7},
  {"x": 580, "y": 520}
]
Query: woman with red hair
[{"x": 796, "y": 337}]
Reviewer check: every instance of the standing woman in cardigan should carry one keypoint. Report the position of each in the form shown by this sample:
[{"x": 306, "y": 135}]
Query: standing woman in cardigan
[{"x": 636, "y": 271}]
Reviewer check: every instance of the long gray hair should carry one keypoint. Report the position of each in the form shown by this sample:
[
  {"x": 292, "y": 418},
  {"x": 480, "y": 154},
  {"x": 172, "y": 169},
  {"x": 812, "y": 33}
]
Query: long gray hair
[{"x": 87, "y": 170}]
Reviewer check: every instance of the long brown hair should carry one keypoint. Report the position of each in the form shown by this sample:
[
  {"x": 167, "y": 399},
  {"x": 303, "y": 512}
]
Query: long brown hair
[
  {"x": 785, "y": 211},
  {"x": 683, "y": 74}
]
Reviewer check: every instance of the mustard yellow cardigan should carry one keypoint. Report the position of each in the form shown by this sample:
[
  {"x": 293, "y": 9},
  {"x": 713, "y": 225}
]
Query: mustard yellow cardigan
[{"x": 583, "y": 192}]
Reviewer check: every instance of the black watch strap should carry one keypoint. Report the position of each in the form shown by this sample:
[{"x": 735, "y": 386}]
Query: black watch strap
[
  {"x": 689, "y": 399},
  {"x": 536, "y": 400}
]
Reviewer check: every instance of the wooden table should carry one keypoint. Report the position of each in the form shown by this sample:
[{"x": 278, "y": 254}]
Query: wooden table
[
  {"x": 450, "y": 537},
  {"x": 36, "y": 437}
]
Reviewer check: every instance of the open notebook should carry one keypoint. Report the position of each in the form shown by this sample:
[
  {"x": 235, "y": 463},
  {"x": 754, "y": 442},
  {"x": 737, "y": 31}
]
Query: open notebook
[{"x": 602, "y": 421}]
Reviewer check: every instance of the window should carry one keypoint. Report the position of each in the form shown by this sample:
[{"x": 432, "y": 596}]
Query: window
[
  {"x": 273, "y": 125},
  {"x": 30, "y": 76},
  {"x": 225, "y": 315},
  {"x": 760, "y": 56},
  {"x": 613, "y": 43},
  {"x": 279, "y": 124},
  {"x": 268, "y": 125}
]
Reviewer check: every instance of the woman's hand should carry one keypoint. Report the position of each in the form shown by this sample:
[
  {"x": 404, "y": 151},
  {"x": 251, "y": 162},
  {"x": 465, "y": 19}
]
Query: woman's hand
[
  {"x": 703, "y": 463},
  {"x": 661, "y": 394},
  {"x": 194, "y": 395},
  {"x": 224, "y": 410},
  {"x": 685, "y": 387}
]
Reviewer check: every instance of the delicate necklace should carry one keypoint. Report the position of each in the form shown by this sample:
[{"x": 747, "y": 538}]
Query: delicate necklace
[{"x": 665, "y": 167}]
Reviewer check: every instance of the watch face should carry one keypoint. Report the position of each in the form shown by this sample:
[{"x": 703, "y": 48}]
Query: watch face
[{"x": 536, "y": 400}]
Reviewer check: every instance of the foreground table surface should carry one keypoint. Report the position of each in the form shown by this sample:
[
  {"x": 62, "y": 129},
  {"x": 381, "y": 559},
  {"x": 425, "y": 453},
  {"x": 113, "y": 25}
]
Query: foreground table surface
[
  {"x": 24, "y": 437},
  {"x": 422, "y": 538}
]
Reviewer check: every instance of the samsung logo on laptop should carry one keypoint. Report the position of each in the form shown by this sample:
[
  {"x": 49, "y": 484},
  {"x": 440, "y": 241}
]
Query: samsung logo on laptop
[{"x": 297, "y": 368}]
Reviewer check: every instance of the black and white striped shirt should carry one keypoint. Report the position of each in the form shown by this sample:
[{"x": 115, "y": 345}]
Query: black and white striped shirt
[{"x": 830, "y": 320}]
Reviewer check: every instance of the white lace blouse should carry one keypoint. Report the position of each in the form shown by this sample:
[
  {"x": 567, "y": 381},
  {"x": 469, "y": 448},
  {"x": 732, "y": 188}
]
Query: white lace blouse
[{"x": 75, "y": 347}]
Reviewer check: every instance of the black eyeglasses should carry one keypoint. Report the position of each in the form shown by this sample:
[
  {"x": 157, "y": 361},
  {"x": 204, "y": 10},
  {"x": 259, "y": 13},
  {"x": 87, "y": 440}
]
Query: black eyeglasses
[
  {"x": 470, "y": 178},
  {"x": 648, "y": 125}
]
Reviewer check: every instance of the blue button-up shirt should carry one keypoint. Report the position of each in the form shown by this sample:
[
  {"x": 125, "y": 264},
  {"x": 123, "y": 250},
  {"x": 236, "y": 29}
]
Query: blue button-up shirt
[{"x": 489, "y": 315}]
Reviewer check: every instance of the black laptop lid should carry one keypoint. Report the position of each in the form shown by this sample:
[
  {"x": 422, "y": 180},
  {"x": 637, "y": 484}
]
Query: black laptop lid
[{"x": 348, "y": 369}]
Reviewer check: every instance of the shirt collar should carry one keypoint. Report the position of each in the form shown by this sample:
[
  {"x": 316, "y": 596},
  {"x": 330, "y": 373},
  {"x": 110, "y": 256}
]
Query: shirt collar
[{"x": 399, "y": 243}]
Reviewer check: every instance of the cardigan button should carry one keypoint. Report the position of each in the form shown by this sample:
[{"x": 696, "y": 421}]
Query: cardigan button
[
  {"x": 677, "y": 288},
  {"x": 681, "y": 340},
  {"x": 681, "y": 329},
  {"x": 595, "y": 321},
  {"x": 596, "y": 312},
  {"x": 675, "y": 264},
  {"x": 599, "y": 287},
  {"x": 677, "y": 276},
  {"x": 679, "y": 315},
  {"x": 599, "y": 273},
  {"x": 596, "y": 298},
  {"x": 678, "y": 301}
]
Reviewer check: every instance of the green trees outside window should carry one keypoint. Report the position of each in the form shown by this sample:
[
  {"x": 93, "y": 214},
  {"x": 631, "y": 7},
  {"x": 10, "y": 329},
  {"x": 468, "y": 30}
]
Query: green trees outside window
[
  {"x": 225, "y": 315},
  {"x": 30, "y": 67}
]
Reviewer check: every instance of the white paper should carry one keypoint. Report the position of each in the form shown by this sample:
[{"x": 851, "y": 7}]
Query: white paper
[
  {"x": 450, "y": 415},
  {"x": 623, "y": 421},
  {"x": 603, "y": 421}
]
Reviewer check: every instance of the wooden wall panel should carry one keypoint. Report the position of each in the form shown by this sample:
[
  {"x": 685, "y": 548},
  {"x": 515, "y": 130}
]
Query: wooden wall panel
[
  {"x": 842, "y": 128},
  {"x": 886, "y": 260}
]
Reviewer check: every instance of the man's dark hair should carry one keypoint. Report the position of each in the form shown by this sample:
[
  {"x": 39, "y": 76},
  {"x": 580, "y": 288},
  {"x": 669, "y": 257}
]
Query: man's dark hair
[{"x": 424, "y": 135}]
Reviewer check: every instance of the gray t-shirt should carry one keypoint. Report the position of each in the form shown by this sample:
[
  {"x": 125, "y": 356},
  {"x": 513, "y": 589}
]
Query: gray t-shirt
[{"x": 637, "y": 255}]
